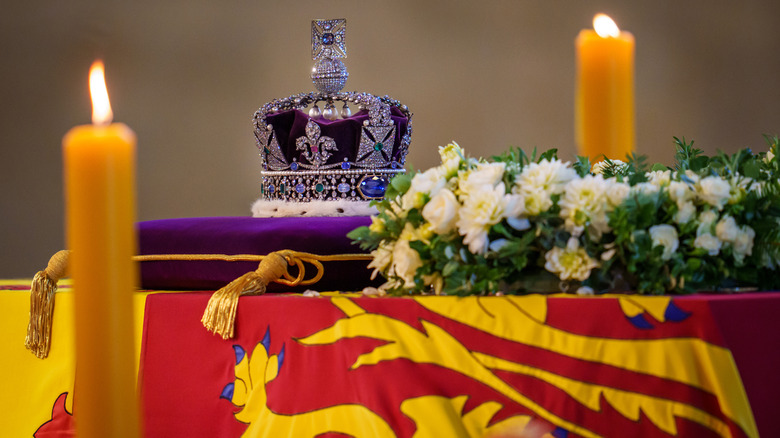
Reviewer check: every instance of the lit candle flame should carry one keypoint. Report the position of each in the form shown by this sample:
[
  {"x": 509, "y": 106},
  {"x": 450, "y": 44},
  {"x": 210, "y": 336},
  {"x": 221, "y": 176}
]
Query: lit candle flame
[
  {"x": 101, "y": 107},
  {"x": 605, "y": 27}
]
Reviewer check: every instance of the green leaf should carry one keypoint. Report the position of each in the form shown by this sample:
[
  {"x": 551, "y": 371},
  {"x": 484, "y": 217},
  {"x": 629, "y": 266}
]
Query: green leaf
[
  {"x": 582, "y": 166},
  {"x": 658, "y": 167},
  {"x": 751, "y": 169},
  {"x": 549, "y": 155},
  {"x": 400, "y": 184}
]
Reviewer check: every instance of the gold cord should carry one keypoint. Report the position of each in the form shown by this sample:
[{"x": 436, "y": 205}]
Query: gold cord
[{"x": 220, "y": 313}]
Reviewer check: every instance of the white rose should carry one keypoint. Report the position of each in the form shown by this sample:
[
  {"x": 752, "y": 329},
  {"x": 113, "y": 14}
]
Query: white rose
[
  {"x": 727, "y": 229},
  {"x": 709, "y": 242},
  {"x": 685, "y": 212},
  {"x": 646, "y": 188},
  {"x": 442, "y": 211},
  {"x": 743, "y": 244},
  {"x": 383, "y": 256},
  {"x": 406, "y": 260},
  {"x": 691, "y": 175},
  {"x": 713, "y": 190},
  {"x": 665, "y": 235},
  {"x": 659, "y": 177},
  {"x": 425, "y": 183},
  {"x": 485, "y": 174},
  {"x": 706, "y": 219},
  {"x": 680, "y": 191}
]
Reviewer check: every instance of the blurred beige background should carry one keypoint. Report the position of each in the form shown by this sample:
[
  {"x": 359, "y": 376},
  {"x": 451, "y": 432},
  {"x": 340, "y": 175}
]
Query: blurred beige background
[{"x": 187, "y": 76}]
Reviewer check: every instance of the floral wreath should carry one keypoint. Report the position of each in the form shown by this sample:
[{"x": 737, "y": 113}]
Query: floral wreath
[{"x": 523, "y": 224}]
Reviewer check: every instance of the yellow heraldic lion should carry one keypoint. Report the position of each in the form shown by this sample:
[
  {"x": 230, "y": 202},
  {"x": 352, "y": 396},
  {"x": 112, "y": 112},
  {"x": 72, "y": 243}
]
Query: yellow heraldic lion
[
  {"x": 433, "y": 415},
  {"x": 249, "y": 393}
]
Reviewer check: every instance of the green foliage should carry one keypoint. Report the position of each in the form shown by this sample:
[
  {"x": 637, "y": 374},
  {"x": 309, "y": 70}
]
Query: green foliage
[
  {"x": 652, "y": 239},
  {"x": 688, "y": 157},
  {"x": 582, "y": 166}
]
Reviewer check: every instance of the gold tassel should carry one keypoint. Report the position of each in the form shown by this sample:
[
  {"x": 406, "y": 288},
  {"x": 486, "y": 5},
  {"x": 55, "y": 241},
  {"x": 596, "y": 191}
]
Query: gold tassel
[
  {"x": 220, "y": 314},
  {"x": 44, "y": 285}
]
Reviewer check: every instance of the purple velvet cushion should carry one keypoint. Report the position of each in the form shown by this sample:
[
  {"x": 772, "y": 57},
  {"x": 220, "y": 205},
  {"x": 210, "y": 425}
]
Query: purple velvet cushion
[{"x": 247, "y": 235}]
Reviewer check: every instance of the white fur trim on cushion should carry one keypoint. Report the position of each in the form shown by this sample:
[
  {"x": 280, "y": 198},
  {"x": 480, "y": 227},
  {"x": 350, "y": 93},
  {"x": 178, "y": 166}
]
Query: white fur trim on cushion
[{"x": 278, "y": 208}]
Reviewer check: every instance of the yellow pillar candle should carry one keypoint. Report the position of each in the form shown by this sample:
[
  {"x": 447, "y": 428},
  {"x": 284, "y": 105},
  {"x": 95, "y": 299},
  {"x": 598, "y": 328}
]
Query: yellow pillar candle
[
  {"x": 605, "y": 91},
  {"x": 100, "y": 223}
]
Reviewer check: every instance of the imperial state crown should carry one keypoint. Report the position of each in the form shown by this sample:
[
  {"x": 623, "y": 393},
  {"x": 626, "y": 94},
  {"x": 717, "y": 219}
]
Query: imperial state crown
[{"x": 329, "y": 161}]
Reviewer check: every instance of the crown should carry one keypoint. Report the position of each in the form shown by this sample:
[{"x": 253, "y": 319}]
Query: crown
[{"x": 333, "y": 154}]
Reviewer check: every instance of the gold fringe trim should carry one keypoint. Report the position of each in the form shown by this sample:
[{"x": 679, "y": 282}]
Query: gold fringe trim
[
  {"x": 42, "y": 289},
  {"x": 220, "y": 314}
]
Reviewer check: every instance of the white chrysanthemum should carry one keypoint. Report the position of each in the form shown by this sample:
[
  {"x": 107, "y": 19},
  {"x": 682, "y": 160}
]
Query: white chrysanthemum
[
  {"x": 708, "y": 242},
  {"x": 584, "y": 202},
  {"x": 659, "y": 177},
  {"x": 484, "y": 175},
  {"x": 423, "y": 185},
  {"x": 442, "y": 211},
  {"x": 686, "y": 211},
  {"x": 726, "y": 229},
  {"x": 598, "y": 167},
  {"x": 665, "y": 235},
  {"x": 539, "y": 181},
  {"x": 617, "y": 192},
  {"x": 570, "y": 263},
  {"x": 713, "y": 190},
  {"x": 743, "y": 243},
  {"x": 481, "y": 210}
]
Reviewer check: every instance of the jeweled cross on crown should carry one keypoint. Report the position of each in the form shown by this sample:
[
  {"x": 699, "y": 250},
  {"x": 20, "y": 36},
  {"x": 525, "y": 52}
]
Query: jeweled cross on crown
[{"x": 328, "y": 38}]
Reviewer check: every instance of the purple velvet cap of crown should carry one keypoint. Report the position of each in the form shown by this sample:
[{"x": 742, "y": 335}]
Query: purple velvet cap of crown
[
  {"x": 247, "y": 235},
  {"x": 290, "y": 125}
]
